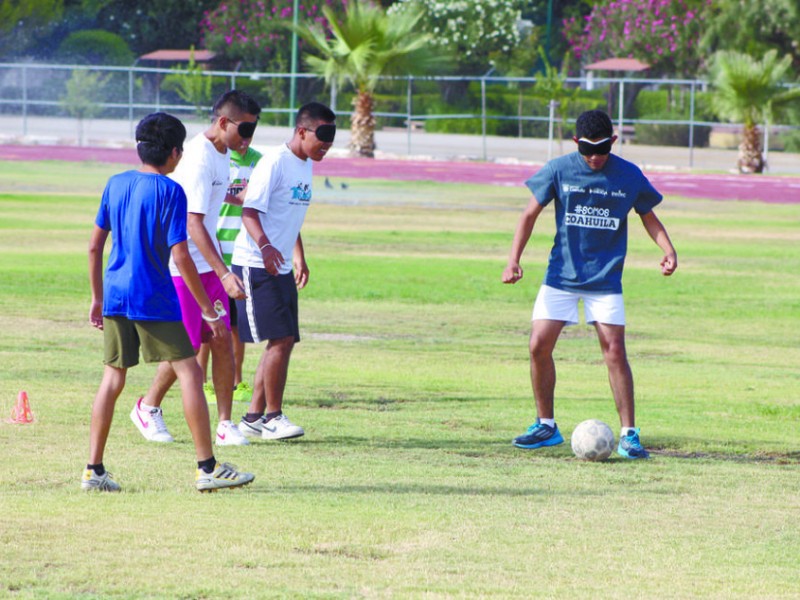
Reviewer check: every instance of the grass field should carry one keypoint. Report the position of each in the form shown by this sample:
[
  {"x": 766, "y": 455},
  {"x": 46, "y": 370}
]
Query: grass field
[{"x": 411, "y": 380}]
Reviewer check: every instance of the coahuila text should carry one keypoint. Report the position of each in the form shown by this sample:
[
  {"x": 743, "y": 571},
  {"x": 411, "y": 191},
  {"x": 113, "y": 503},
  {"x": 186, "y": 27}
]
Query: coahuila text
[{"x": 592, "y": 222}]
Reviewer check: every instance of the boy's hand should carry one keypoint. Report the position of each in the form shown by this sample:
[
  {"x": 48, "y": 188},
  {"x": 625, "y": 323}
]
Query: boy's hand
[
  {"x": 96, "y": 315},
  {"x": 233, "y": 286},
  {"x": 512, "y": 273},
  {"x": 272, "y": 259},
  {"x": 300, "y": 273},
  {"x": 668, "y": 264}
]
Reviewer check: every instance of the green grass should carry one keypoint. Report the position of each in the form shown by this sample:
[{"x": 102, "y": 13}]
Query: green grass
[{"x": 411, "y": 379}]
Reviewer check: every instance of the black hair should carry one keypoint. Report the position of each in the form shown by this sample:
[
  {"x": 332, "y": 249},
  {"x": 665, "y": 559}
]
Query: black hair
[
  {"x": 156, "y": 136},
  {"x": 313, "y": 112},
  {"x": 239, "y": 102},
  {"x": 593, "y": 124}
]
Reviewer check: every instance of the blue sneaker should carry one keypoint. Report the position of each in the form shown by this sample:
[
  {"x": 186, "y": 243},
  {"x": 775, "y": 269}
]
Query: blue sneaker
[
  {"x": 538, "y": 436},
  {"x": 631, "y": 447}
]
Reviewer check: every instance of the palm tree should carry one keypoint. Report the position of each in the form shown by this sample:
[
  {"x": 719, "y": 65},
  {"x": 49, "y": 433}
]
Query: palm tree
[
  {"x": 750, "y": 91},
  {"x": 366, "y": 45}
]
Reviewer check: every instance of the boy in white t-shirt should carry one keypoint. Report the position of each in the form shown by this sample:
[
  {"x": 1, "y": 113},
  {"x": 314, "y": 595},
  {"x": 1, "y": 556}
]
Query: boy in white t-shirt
[
  {"x": 274, "y": 209},
  {"x": 204, "y": 175}
]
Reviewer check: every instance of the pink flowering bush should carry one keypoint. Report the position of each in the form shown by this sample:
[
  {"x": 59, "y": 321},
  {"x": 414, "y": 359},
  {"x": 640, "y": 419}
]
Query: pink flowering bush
[
  {"x": 663, "y": 33},
  {"x": 256, "y": 32}
]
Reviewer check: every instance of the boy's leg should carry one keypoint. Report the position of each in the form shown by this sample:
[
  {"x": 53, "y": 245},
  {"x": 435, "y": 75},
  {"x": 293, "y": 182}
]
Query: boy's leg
[
  {"x": 210, "y": 475},
  {"x": 222, "y": 373},
  {"x": 275, "y": 372},
  {"x": 202, "y": 358},
  {"x": 162, "y": 382},
  {"x": 238, "y": 355},
  {"x": 195, "y": 408},
  {"x": 103, "y": 411},
  {"x": 544, "y": 335},
  {"x": 612, "y": 343}
]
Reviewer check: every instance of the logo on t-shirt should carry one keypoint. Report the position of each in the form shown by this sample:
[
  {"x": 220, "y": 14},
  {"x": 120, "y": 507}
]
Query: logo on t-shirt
[
  {"x": 591, "y": 217},
  {"x": 301, "y": 192}
]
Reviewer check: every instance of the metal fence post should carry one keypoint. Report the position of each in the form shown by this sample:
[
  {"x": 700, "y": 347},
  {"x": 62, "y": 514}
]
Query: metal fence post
[
  {"x": 408, "y": 115},
  {"x": 483, "y": 115},
  {"x": 691, "y": 125},
  {"x": 24, "y": 101},
  {"x": 130, "y": 101}
]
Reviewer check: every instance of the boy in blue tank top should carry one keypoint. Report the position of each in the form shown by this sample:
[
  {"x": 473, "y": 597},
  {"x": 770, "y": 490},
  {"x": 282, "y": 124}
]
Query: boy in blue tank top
[{"x": 592, "y": 191}]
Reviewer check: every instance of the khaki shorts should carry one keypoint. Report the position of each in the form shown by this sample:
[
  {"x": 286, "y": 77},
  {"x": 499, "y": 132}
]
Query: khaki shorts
[{"x": 159, "y": 341}]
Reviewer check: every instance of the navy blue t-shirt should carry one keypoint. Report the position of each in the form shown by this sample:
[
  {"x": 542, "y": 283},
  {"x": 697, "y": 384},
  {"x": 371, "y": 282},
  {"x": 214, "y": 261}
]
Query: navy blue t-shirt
[
  {"x": 146, "y": 215},
  {"x": 591, "y": 219}
]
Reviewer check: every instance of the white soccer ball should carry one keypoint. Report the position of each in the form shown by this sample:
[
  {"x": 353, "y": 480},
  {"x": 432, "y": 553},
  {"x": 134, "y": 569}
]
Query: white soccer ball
[{"x": 592, "y": 440}]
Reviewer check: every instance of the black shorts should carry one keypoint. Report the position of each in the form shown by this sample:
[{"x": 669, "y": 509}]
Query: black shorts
[{"x": 270, "y": 310}]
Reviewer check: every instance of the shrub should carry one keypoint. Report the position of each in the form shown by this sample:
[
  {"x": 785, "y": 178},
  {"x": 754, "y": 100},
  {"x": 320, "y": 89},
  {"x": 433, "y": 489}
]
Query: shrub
[{"x": 95, "y": 47}]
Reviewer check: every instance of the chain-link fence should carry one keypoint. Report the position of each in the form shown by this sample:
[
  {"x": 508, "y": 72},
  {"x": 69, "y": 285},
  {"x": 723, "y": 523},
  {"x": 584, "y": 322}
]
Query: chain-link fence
[{"x": 664, "y": 113}]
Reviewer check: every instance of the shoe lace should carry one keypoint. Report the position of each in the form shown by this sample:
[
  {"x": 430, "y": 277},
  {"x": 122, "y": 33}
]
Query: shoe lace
[{"x": 156, "y": 416}]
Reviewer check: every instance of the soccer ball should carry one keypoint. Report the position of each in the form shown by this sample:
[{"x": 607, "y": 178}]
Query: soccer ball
[{"x": 592, "y": 440}]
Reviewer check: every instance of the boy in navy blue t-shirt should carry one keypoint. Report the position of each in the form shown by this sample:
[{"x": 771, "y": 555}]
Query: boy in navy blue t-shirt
[
  {"x": 137, "y": 307},
  {"x": 593, "y": 191}
]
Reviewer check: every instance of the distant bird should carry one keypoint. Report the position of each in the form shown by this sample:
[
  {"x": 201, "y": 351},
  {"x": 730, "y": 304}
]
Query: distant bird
[
  {"x": 345, "y": 186},
  {"x": 328, "y": 183}
]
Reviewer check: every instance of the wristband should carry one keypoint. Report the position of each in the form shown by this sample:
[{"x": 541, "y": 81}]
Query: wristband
[
  {"x": 224, "y": 276},
  {"x": 219, "y": 309},
  {"x": 264, "y": 246}
]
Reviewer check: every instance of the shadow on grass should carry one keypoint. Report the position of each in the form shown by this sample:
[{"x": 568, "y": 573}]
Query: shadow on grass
[
  {"x": 426, "y": 489},
  {"x": 777, "y": 458}
]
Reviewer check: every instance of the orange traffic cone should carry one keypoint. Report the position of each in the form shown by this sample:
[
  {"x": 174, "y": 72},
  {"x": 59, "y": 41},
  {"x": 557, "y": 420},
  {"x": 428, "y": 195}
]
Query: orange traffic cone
[{"x": 21, "y": 414}]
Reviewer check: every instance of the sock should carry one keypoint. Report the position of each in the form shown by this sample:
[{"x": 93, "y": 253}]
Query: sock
[
  {"x": 626, "y": 431},
  {"x": 253, "y": 417},
  {"x": 272, "y": 415},
  {"x": 146, "y": 407},
  {"x": 207, "y": 465},
  {"x": 548, "y": 422},
  {"x": 99, "y": 469}
]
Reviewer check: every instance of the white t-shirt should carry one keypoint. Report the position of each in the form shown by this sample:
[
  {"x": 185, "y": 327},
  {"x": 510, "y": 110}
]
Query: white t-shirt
[
  {"x": 203, "y": 174},
  {"x": 280, "y": 190}
]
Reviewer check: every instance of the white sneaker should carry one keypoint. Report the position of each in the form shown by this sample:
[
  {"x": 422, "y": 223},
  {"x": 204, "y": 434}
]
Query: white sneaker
[
  {"x": 224, "y": 476},
  {"x": 252, "y": 430},
  {"x": 280, "y": 428},
  {"x": 229, "y": 435},
  {"x": 150, "y": 423},
  {"x": 92, "y": 482}
]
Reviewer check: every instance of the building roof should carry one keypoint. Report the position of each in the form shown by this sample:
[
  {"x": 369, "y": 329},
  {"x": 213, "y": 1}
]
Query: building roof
[
  {"x": 618, "y": 64},
  {"x": 179, "y": 55}
]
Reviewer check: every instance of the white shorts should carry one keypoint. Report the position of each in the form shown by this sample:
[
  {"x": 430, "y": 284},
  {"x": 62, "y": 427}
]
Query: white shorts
[{"x": 559, "y": 305}]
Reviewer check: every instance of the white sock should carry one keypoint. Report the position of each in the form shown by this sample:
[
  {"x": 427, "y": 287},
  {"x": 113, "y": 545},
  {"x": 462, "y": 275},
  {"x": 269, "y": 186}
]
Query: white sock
[
  {"x": 146, "y": 407},
  {"x": 548, "y": 422},
  {"x": 625, "y": 431}
]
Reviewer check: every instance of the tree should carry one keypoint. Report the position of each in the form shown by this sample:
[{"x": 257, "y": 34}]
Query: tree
[
  {"x": 367, "y": 44},
  {"x": 663, "y": 33},
  {"x": 193, "y": 86},
  {"x": 473, "y": 32},
  {"x": 753, "y": 27},
  {"x": 84, "y": 91},
  {"x": 256, "y": 33},
  {"x": 23, "y": 24},
  {"x": 751, "y": 91}
]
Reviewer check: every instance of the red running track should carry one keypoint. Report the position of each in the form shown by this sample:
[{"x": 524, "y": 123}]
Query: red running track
[{"x": 762, "y": 188}]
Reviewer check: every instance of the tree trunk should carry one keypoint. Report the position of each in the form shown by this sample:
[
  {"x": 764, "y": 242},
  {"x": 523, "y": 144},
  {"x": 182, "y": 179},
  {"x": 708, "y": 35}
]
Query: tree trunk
[
  {"x": 751, "y": 159},
  {"x": 362, "y": 126}
]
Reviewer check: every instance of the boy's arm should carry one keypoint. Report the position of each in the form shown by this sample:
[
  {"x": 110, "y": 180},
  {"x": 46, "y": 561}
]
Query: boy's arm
[
  {"x": 272, "y": 258},
  {"x": 513, "y": 272},
  {"x": 299, "y": 264},
  {"x": 96, "y": 245},
  {"x": 655, "y": 228},
  {"x": 197, "y": 230},
  {"x": 188, "y": 270}
]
